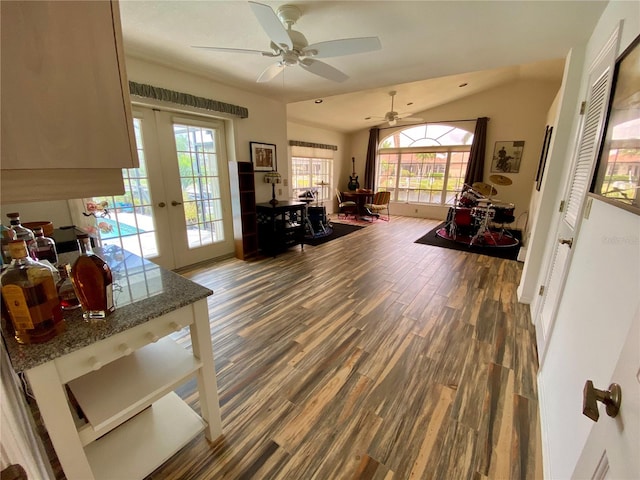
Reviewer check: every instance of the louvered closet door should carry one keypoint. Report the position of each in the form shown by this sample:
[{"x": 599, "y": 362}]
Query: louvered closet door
[{"x": 600, "y": 79}]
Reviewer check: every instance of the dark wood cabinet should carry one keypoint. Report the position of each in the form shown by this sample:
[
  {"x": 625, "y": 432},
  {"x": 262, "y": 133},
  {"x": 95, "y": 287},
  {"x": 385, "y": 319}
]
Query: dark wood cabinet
[
  {"x": 280, "y": 226},
  {"x": 243, "y": 204}
]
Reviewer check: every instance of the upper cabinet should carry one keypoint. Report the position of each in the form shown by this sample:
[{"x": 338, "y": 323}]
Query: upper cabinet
[{"x": 65, "y": 99}]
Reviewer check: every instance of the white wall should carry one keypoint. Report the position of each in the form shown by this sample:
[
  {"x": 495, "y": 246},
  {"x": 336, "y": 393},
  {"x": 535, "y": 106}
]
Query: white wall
[
  {"x": 306, "y": 133},
  {"x": 600, "y": 297},
  {"x": 516, "y": 111}
]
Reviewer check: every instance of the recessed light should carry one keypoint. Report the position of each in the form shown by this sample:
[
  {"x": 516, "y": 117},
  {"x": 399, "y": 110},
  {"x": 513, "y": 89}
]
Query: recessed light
[
  {"x": 463, "y": 85},
  {"x": 319, "y": 100}
]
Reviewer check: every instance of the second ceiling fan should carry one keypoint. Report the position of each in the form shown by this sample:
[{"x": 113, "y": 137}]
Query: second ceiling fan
[
  {"x": 292, "y": 47},
  {"x": 392, "y": 117}
]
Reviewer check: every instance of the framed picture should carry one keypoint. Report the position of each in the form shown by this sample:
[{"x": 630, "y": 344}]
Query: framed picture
[
  {"x": 507, "y": 156},
  {"x": 543, "y": 156},
  {"x": 263, "y": 156},
  {"x": 617, "y": 175}
]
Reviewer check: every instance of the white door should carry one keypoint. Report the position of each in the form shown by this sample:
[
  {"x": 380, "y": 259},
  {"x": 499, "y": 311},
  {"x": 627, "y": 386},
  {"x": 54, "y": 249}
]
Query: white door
[
  {"x": 612, "y": 448},
  {"x": 600, "y": 78},
  {"x": 196, "y": 181},
  {"x": 176, "y": 210}
]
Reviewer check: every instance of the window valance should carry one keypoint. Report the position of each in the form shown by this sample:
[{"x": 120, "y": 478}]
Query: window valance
[
  {"x": 298, "y": 143},
  {"x": 180, "y": 98},
  {"x": 311, "y": 150}
]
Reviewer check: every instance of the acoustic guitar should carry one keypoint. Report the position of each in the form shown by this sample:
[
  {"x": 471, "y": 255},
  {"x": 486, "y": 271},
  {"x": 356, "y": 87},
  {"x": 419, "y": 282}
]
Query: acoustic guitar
[{"x": 353, "y": 179}]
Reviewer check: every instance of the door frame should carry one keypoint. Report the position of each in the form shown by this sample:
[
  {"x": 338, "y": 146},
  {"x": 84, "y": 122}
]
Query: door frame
[{"x": 604, "y": 64}]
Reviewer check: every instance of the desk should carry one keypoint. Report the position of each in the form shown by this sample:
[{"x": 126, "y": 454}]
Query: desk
[{"x": 361, "y": 199}]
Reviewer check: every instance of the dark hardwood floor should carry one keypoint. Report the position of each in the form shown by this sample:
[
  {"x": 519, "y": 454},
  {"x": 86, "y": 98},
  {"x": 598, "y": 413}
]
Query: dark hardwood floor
[{"x": 368, "y": 357}]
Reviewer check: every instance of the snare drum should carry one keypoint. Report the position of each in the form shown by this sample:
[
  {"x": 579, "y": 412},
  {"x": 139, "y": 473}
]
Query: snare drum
[{"x": 503, "y": 212}]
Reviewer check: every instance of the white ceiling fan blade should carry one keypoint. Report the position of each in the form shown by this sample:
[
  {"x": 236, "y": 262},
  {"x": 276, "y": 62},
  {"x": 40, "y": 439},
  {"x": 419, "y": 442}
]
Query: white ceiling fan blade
[
  {"x": 234, "y": 50},
  {"x": 323, "y": 69},
  {"x": 270, "y": 72},
  {"x": 271, "y": 24},
  {"x": 346, "y": 46}
]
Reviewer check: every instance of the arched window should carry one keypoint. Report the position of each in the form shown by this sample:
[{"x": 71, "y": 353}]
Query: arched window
[{"x": 424, "y": 163}]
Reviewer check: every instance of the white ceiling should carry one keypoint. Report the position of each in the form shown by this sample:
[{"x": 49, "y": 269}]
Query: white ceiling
[{"x": 428, "y": 49}]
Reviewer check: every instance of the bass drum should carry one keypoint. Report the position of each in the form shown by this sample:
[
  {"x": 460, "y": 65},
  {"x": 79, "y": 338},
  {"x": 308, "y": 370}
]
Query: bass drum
[{"x": 460, "y": 222}]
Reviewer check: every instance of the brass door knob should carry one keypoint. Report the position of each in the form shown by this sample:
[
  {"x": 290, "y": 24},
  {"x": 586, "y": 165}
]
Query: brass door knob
[
  {"x": 162, "y": 204},
  {"x": 612, "y": 399},
  {"x": 175, "y": 204}
]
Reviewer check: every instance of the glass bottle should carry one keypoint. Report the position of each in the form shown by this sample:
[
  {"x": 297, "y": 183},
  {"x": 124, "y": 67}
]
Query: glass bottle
[
  {"x": 43, "y": 248},
  {"x": 22, "y": 233},
  {"x": 30, "y": 297},
  {"x": 7, "y": 235},
  {"x": 66, "y": 292},
  {"x": 92, "y": 279}
]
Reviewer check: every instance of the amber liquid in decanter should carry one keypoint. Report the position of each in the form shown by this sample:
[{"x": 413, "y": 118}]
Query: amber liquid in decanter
[{"x": 93, "y": 282}]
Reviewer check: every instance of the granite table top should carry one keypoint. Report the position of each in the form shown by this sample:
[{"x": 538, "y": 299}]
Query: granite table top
[{"x": 142, "y": 291}]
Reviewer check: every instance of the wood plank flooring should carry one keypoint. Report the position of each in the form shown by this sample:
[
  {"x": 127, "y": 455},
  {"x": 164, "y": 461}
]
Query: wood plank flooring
[{"x": 369, "y": 357}]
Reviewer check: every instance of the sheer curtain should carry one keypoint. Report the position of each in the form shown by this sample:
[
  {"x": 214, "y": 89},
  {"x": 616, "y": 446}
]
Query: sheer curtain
[
  {"x": 475, "y": 167},
  {"x": 370, "y": 165}
]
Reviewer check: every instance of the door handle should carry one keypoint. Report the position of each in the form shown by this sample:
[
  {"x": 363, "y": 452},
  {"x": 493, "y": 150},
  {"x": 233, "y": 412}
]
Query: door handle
[
  {"x": 162, "y": 204},
  {"x": 566, "y": 241},
  {"x": 175, "y": 204},
  {"x": 612, "y": 399}
]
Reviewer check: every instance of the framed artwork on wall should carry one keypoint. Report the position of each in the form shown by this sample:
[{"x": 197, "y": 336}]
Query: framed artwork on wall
[
  {"x": 617, "y": 176},
  {"x": 507, "y": 156},
  {"x": 543, "y": 156},
  {"x": 263, "y": 156}
]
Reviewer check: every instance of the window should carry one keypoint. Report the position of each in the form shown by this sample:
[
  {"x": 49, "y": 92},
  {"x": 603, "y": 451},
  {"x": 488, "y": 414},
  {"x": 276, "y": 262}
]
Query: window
[
  {"x": 312, "y": 169},
  {"x": 129, "y": 223},
  {"x": 424, "y": 163}
]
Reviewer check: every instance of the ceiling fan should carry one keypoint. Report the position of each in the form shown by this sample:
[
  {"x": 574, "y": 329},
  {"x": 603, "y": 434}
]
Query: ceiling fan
[
  {"x": 392, "y": 117},
  {"x": 292, "y": 47}
]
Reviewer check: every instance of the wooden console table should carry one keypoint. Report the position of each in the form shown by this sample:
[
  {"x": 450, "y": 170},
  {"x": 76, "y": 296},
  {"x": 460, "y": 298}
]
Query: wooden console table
[{"x": 280, "y": 226}]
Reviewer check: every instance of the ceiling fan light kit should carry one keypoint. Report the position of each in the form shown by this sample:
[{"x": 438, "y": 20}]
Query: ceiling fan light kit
[{"x": 292, "y": 46}]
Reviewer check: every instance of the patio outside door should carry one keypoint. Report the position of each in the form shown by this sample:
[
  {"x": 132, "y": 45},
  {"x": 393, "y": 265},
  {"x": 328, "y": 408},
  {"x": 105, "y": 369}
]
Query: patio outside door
[{"x": 176, "y": 207}]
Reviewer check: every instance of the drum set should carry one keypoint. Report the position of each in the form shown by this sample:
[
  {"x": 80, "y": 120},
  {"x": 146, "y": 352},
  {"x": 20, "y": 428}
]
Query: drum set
[
  {"x": 477, "y": 218},
  {"x": 317, "y": 223}
]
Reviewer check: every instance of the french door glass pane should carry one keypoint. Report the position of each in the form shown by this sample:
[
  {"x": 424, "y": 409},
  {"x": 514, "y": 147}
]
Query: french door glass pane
[
  {"x": 196, "y": 148},
  {"x": 129, "y": 222}
]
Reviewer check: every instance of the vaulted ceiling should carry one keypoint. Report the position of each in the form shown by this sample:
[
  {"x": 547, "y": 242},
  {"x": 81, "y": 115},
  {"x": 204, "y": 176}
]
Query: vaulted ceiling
[{"x": 429, "y": 48}]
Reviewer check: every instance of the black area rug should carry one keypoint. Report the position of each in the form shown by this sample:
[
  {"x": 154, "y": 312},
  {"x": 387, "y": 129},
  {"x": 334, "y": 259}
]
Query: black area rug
[
  {"x": 339, "y": 230},
  {"x": 510, "y": 253}
]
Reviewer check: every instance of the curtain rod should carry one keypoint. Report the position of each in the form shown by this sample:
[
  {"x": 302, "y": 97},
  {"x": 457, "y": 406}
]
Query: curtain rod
[{"x": 441, "y": 121}]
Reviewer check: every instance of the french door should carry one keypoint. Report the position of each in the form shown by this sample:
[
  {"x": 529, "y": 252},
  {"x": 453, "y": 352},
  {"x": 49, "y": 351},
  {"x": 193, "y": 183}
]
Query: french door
[{"x": 176, "y": 209}]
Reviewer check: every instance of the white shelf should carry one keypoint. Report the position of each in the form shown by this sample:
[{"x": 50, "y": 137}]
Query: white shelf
[
  {"x": 125, "y": 387},
  {"x": 139, "y": 446}
]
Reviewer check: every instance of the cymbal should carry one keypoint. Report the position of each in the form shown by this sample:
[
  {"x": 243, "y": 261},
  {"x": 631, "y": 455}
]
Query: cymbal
[
  {"x": 484, "y": 189},
  {"x": 500, "y": 180}
]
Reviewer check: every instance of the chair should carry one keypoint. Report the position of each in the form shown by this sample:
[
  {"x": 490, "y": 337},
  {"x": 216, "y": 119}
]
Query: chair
[
  {"x": 379, "y": 203},
  {"x": 346, "y": 207}
]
